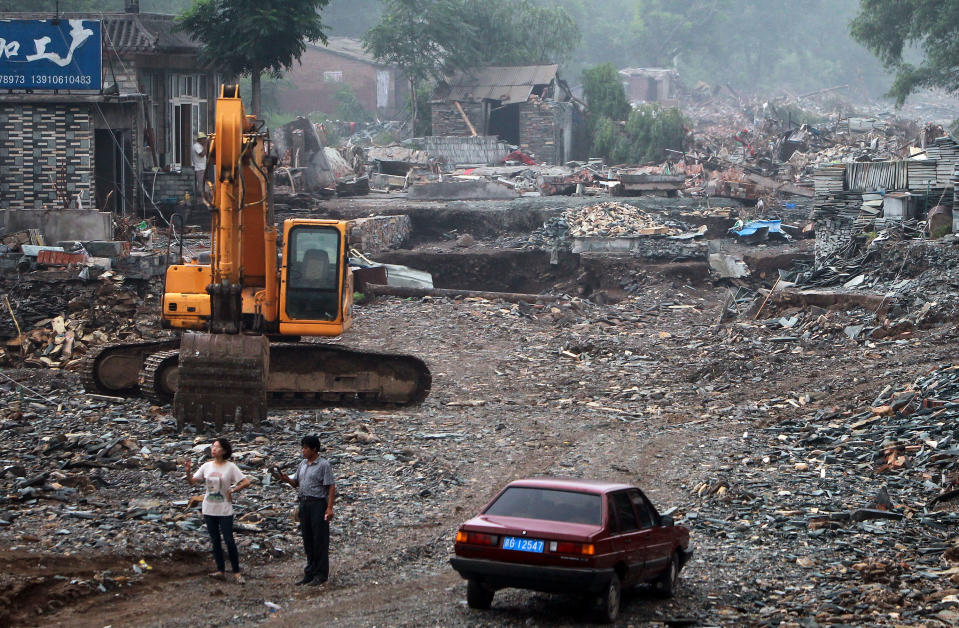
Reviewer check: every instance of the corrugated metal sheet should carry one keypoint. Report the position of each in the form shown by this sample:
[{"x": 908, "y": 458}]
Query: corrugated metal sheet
[
  {"x": 505, "y": 83},
  {"x": 880, "y": 175}
]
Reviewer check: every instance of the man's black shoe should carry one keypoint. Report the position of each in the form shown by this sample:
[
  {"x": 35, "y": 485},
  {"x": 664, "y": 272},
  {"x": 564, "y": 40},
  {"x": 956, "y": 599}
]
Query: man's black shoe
[
  {"x": 305, "y": 580},
  {"x": 316, "y": 582}
]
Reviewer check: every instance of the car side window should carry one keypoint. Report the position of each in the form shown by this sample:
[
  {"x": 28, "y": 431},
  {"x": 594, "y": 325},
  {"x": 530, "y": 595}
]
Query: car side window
[
  {"x": 624, "y": 513},
  {"x": 646, "y": 518},
  {"x": 611, "y": 509}
]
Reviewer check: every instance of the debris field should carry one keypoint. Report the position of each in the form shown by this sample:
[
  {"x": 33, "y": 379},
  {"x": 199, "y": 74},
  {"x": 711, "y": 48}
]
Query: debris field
[{"x": 815, "y": 467}]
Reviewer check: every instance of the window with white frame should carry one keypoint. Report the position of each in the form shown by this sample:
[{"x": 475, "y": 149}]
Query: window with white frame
[
  {"x": 333, "y": 77},
  {"x": 188, "y": 114}
]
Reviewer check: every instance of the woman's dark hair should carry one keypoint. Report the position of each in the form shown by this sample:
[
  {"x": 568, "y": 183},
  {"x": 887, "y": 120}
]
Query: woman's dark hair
[
  {"x": 227, "y": 447},
  {"x": 311, "y": 441}
]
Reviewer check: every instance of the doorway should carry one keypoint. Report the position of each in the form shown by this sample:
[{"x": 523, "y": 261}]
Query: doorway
[
  {"x": 504, "y": 123},
  {"x": 112, "y": 173}
]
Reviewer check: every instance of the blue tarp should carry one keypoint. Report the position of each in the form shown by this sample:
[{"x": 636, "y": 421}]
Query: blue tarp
[{"x": 752, "y": 227}]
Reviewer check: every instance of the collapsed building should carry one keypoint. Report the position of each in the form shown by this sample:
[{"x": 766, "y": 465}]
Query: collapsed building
[
  {"x": 527, "y": 106},
  {"x": 868, "y": 196}
]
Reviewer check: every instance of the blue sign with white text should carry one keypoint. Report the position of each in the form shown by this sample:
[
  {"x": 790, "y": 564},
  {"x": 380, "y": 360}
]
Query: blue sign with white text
[{"x": 50, "y": 54}]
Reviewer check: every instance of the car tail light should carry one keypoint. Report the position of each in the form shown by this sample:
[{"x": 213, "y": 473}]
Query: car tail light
[
  {"x": 566, "y": 547},
  {"x": 477, "y": 538}
]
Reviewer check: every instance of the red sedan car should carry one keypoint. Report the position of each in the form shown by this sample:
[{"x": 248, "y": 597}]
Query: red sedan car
[{"x": 569, "y": 536}]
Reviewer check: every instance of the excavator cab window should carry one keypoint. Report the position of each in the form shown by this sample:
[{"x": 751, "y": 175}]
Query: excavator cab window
[{"x": 312, "y": 290}]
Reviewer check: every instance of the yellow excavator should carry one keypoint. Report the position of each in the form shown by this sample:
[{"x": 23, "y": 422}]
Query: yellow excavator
[{"x": 244, "y": 315}]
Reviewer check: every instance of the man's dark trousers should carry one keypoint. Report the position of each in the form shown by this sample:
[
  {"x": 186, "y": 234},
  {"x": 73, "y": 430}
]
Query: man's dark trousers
[{"x": 316, "y": 537}]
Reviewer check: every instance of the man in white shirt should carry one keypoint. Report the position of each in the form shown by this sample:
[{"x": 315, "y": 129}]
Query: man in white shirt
[{"x": 198, "y": 161}]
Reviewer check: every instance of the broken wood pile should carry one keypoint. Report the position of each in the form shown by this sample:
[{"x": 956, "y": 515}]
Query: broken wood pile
[
  {"x": 52, "y": 324},
  {"x": 611, "y": 219}
]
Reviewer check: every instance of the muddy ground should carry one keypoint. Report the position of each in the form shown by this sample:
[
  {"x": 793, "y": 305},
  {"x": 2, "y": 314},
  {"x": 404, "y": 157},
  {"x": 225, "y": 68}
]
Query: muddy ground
[{"x": 650, "y": 390}]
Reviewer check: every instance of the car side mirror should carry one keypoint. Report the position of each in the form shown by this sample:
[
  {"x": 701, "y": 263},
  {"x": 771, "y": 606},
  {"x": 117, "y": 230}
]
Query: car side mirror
[{"x": 666, "y": 521}]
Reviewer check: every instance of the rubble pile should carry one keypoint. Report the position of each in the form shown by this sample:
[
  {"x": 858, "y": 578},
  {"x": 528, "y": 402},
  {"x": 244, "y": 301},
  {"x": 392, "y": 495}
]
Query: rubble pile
[
  {"x": 55, "y": 319},
  {"x": 863, "y": 501}
]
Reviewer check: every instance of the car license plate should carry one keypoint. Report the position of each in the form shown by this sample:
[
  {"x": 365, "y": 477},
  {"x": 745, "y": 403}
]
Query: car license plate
[{"x": 523, "y": 545}]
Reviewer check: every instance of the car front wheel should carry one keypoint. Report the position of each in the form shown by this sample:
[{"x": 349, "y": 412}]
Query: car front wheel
[
  {"x": 666, "y": 583},
  {"x": 609, "y": 601},
  {"x": 478, "y": 596}
]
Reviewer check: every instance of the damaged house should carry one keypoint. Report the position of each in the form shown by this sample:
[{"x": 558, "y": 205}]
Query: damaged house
[
  {"x": 661, "y": 85},
  {"x": 526, "y": 106},
  {"x": 324, "y": 72},
  {"x": 107, "y": 123}
]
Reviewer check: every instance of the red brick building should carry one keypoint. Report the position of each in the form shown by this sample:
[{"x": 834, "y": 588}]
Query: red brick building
[{"x": 324, "y": 70}]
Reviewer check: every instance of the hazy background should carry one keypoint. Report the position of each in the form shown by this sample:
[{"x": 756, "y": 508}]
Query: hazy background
[{"x": 758, "y": 46}]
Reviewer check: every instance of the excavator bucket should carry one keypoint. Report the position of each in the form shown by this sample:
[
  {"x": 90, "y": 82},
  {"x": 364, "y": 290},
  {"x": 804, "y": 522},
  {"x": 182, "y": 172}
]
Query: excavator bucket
[{"x": 221, "y": 378}]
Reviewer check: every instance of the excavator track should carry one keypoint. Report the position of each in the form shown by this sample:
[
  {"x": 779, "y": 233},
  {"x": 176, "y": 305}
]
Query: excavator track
[
  {"x": 223, "y": 385},
  {"x": 113, "y": 369},
  {"x": 158, "y": 377},
  {"x": 311, "y": 375}
]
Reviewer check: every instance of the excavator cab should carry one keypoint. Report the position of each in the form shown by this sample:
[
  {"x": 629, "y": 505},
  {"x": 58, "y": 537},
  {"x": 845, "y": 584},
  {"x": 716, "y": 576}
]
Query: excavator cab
[{"x": 316, "y": 285}]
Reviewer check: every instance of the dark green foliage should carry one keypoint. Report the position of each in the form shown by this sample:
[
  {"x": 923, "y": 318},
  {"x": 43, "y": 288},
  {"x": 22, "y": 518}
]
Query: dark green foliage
[
  {"x": 424, "y": 122},
  {"x": 252, "y": 36},
  {"x": 512, "y": 32},
  {"x": 604, "y": 93},
  {"x": 890, "y": 28},
  {"x": 647, "y": 133}
]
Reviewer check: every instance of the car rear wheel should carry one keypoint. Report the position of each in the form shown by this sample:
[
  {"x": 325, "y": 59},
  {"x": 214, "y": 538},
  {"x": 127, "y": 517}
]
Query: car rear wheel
[
  {"x": 609, "y": 601},
  {"x": 477, "y": 595},
  {"x": 665, "y": 585}
]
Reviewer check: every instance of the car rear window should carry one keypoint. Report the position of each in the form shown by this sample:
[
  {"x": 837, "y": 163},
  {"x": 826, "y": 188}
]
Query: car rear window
[{"x": 549, "y": 505}]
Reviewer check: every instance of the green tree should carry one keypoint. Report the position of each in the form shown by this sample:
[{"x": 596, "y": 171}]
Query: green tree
[
  {"x": 890, "y": 28},
  {"x": 413, "y": 35},
  {"x": 250, "y": 37},
  {"x": 513, "y": 32},
  {"x": 604, "y": 93}
]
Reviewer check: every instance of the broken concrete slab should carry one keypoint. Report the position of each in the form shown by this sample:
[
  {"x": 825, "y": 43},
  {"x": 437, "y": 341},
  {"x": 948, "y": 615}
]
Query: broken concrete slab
[
  {"x": 479, "y": 190},
  {"x": 62, "y": 224}
]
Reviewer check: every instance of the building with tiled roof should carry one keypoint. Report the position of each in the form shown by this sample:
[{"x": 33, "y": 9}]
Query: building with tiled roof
[{"x": 125, "y": 147}]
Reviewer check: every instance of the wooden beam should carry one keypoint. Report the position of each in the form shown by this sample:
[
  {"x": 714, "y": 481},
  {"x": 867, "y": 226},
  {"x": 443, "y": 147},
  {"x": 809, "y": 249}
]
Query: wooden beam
[{"x": 466, "y": 118}]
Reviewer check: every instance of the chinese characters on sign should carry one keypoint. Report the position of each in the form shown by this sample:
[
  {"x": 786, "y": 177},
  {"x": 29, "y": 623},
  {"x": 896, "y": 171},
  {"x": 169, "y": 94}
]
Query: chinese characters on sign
[{"x": 50, "y": 54}]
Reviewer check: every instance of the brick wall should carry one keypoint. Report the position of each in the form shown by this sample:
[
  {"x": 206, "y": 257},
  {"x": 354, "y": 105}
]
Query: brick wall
[
  {"x": 169, "y": 186},
  {"x": 37, "y": 142},
  {"x": 313, "y": 93},
  {"x": 540, "y": 125},
  {"x": 447, "y": 119}
]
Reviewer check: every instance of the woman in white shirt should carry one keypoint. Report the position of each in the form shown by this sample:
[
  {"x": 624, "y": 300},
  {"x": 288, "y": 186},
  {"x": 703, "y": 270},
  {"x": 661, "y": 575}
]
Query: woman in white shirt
[{"x": 222, "y": 480}]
